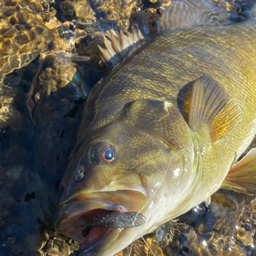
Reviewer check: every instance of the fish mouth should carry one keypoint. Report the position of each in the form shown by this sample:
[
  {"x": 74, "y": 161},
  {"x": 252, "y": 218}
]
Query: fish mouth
[
  {"x": 93, "y": 219},
  {"x": 81, "y": 230}
]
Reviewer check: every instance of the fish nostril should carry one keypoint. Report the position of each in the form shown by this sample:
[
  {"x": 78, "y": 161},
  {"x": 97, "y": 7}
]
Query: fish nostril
[{"x": 79, "y": 174}]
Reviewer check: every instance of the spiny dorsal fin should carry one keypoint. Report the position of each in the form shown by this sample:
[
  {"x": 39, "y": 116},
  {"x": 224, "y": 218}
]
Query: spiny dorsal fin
[
  {"x": 117, "y": 47},
  {"x": 191, "y": 13},
  {"x": 210, "y": 105}
]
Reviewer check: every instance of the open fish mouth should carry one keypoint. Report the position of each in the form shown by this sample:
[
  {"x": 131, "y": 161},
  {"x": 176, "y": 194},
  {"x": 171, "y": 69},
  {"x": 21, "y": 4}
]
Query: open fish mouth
[
  {"x": 91, "y": 222},
  {"x": 97, "y": 224}
]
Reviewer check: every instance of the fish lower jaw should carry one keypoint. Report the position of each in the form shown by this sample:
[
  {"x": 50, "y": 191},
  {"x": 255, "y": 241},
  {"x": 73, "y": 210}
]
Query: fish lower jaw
[{"x": 92, "y": 237}]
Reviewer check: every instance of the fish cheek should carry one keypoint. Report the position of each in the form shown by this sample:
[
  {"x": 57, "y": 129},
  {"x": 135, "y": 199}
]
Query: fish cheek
[{"x": 163, "y": 132}]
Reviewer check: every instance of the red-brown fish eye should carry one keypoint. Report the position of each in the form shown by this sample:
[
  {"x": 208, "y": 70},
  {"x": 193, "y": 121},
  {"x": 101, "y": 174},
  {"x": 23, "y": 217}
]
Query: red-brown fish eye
[{"x": 104, "y": 152}]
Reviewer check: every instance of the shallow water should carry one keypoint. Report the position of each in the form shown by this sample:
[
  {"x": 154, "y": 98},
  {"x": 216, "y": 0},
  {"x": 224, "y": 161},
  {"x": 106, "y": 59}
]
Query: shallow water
[{"x": 40, "y": 104}]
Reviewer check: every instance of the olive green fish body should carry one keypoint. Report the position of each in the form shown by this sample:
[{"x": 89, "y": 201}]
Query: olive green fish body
[
  {"x": 160, "y": 133},
  {"x": 172, "y": 61}
]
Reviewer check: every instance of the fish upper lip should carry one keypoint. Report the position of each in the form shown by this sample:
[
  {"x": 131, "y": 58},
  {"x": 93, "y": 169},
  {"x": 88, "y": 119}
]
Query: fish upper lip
[
  {"x": 86, "y": 201},
  {"x": 75, "y": 208},
  {"x": 90, "y": 194}
]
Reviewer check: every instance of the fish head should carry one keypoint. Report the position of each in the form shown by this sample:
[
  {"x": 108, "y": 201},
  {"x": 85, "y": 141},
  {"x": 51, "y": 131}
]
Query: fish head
[{"x": 141, "y": 162}]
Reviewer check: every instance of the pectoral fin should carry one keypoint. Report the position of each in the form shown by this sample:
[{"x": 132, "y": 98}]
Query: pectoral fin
[
  {"x": 242, "y": 176},
  {"x": 210, "y": 110}
]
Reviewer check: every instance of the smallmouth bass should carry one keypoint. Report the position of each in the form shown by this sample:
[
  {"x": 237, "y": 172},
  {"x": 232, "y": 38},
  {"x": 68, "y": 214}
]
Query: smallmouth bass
[{"x": 162, "y": 133}]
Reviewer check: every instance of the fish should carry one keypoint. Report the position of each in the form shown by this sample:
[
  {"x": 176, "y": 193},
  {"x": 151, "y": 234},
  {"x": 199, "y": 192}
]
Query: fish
[{"x": 163, "y": 131}]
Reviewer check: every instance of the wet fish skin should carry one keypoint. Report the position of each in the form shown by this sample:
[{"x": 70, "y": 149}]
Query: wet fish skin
[{"x": 165, "y": 163}]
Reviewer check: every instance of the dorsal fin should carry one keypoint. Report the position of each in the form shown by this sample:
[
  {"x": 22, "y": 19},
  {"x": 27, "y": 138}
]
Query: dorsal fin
[
  {"x": 191, "y": 13},
  {"x": 118, "y": 46}
]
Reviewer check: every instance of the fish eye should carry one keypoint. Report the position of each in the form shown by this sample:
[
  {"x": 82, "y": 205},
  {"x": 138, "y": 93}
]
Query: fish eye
[
  {"x": 104, "y": 153},
  {"x": 109, "y": 155}
]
